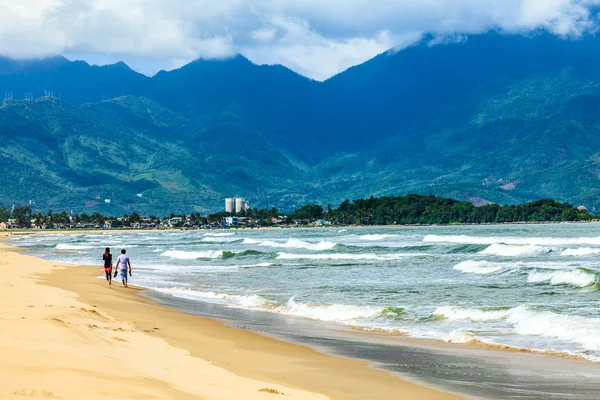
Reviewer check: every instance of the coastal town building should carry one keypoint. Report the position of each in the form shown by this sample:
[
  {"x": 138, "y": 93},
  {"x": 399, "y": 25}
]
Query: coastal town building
[{"x": 236, "y": 205}]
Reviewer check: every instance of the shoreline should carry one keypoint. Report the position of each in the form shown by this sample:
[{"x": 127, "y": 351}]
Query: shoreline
[
  {"x": 159, "y": 350},
  {"x": 472, "y": 344}
]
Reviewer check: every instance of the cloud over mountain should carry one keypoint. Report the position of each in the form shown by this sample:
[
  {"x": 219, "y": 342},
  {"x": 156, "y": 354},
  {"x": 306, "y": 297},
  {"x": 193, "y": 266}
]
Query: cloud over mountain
[{"x": 314, "y": 37}]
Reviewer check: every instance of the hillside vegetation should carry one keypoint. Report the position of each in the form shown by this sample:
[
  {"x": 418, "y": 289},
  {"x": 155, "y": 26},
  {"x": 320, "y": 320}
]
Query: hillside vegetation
[{"x": 503, "y": 119}]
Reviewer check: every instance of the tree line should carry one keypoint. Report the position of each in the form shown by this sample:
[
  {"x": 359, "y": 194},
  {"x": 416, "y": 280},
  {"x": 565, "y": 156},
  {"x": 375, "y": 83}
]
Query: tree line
[
  {"x": 405, "y": 210},
  {"x": 432, "y": 210}
]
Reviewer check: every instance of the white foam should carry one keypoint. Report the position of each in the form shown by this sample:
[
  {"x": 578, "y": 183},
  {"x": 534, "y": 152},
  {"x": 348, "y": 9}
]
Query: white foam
[
  {"x": 69, "y": 246},
  {"x": 478, "y": 267},
  {"x": 540, "y": 241},
  {"x": 339, "y": 313},
  {"x": 187, "y": 268},
  {"x": 507, "y": 250},
  {"x": 580, "y": 330},
  {"x": 581, "y": 252},
  {"x": 219, "y": 239},
  {"x": 458, "y": 337},
  {"x": 261, "y": 265},
  {"x": 470, "y": 314},
  {"x": 293, "y": 244},
  {"x": 344, "y": 256},
  {"x": 219, "y": 234},
  {"x": 192, "y": 255},
  {"x": 376, "y": 237},
  {"x": 248, "y": 301},
  {"x": 577, "y": 277}
]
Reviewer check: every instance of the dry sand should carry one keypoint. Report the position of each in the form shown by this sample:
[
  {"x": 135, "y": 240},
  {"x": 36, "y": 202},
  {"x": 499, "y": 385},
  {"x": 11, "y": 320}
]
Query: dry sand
[{"x": 65, "y": 335}]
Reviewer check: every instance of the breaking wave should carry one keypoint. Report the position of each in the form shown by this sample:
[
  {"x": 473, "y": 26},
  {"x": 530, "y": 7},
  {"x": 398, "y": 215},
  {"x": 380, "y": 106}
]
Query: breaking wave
[
  {"x": 581, "y": 330},
  {"x": 581, "y": 252},
  {"x": 376, "y": 237},
  {"x": 509, "y": 250},
  {"x": 478, "y": 267},
  {"x": 540, "y": 241},
  {"x": 524, "y": 320},
  {"x": 293, "y": 244},
  {"x": 471, "y": 314},
  {"x": 192, "y": 255},
  {"x": 219, "y": 239},
  {"x": 337, "y": 313},
  {"x": 344, "y": 256},
  {"x": 577, "y": 277},
  {"x": 261, "y": 265},
  {"x": 69, "y": 246}
]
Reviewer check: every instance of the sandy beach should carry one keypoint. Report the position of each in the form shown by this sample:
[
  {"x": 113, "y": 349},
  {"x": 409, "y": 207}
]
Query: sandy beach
[{"x": 66, "y": 335}]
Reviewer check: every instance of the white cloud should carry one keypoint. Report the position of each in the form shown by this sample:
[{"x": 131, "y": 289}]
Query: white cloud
[{"x": 315, "y": 37}]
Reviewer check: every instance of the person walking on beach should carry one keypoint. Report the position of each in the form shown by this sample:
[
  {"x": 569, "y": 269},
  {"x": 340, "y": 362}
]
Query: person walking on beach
[
  {"x": 107, "y": 257},
  {"x": 124, "y": 263}
]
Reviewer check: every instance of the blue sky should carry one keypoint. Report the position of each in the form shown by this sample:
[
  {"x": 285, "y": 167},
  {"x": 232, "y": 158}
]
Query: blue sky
[{"x": 317, "y": 38}]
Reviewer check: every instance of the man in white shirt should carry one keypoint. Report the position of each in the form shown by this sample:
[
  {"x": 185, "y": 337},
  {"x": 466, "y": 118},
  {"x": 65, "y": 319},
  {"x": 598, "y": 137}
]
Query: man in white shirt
[{"x": 122, "y": 265}]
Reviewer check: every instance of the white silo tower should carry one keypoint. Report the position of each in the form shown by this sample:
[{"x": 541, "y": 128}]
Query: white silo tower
[
  {"x": 239, "y": 204},
  {"x": 229, "y": 205}
]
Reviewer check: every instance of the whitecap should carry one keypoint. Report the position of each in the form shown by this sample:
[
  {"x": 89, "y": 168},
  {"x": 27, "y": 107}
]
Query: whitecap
[
  {"x": 376, "y": 237},
  {"x": 344, "y": 256},
  {"x": 192, "y": 255},
  {"x": 478, "y": 267},
  {"x": 576, "y": 329},
  {"x": 506, "y": 250},
  {"x": 577, "y": 277},
  {"x": 69, "y": 246},
  {"x": 219, "y": 239},
  {"x": 470, "y": 314},
  {"x": 540, "y": 241},
  {"x": 293, "y": 244},
  {"x": 339, "y": 313},
  {"x": 261, "y": 265},
  {"x": 581, "y": 252}
]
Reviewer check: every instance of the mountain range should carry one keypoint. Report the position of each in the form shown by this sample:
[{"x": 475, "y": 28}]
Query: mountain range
[{"x": 493, "y": 118}]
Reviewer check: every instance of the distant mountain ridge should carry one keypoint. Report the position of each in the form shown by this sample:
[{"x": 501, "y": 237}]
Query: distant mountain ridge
[{"x": 499, "y": 118}]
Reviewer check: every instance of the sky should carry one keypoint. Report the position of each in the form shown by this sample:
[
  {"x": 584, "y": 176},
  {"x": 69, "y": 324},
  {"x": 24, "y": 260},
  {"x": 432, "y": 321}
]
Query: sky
[{"x": 316, "y": 38}]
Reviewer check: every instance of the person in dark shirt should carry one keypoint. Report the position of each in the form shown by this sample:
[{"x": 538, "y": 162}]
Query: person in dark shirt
[{"x": 107, "y": 257}]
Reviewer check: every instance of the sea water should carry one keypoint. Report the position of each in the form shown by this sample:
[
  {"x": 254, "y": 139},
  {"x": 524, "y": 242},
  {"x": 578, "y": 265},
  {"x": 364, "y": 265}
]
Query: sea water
[{"x": 526, "y": 286}]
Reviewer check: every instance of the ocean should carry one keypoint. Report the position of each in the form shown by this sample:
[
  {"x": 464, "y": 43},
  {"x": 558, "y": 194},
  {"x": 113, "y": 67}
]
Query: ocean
[{"x": 525, "y": 286}]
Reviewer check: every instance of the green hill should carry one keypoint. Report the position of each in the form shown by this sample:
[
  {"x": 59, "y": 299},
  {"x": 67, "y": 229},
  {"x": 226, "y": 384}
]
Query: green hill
[{"x": 496, "y": 118}]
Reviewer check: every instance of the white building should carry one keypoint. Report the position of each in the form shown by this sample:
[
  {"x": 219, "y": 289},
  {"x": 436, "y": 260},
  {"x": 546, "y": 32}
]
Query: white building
[
  {"x": 229, "y": 205},
  {"x": 241, "y": 205},
  {"x": 236, "y": 205}
]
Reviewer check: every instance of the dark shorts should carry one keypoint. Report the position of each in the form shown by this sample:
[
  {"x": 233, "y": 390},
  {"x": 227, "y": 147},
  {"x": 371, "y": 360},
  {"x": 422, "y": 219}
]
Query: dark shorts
[{"x": 123, "y": 274}]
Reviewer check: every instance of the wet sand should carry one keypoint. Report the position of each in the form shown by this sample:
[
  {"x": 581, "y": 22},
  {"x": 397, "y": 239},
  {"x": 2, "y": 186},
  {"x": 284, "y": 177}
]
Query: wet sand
[{"x": 489, "y": 372}]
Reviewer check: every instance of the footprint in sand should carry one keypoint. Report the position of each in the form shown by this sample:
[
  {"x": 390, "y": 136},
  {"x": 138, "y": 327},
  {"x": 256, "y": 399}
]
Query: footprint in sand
[
  {"x": 60, "y": 321},
  {"x": 93, "y": 312},
  {"x": 118, "y": 339},
  {"x": 271, "y": 391},
  {"x": 45, "y": 394}
]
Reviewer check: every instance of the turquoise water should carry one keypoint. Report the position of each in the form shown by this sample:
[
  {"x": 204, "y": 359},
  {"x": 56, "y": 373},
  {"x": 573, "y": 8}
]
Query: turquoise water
[{"x": 528, "y": 286}]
